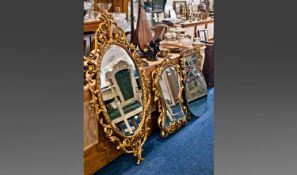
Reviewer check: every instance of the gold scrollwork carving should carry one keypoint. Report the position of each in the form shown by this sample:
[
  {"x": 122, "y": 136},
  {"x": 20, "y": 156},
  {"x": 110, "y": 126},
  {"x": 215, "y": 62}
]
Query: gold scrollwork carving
[
  {"x": 194, "y": 50},
  {"x": 156, "y": 75},
  {"x": 108, "y": 34}
]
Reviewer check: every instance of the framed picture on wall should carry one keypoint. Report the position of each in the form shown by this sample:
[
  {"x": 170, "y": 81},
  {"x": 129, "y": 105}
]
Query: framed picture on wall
[
  {"x": 180, "y": 8},
  {"x": 203, "y": 35}
]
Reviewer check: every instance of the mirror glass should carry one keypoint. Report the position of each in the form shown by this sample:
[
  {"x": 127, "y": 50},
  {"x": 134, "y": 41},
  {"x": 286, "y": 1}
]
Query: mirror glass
[
  {"x": 170, "y": 86},
  {"x": 196, "y": 88},
  {"x": 121, "y": 90}
]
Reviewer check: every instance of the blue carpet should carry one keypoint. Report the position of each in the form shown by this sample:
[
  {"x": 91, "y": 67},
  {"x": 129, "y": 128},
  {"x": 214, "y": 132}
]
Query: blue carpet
[{"x": 187, "y": 152}]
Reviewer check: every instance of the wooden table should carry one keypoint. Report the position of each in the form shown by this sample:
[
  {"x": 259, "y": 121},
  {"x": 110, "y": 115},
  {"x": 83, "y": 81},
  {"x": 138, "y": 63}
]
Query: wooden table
[
  {"x": 193, "y": 26},
  {"x": 196, "y": 23},
  {"x": 90, "y": 26}
]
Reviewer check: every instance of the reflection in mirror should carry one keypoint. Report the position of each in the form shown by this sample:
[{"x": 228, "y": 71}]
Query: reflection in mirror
[
  {"x": 121, "y": 90},
  {"x": 120, "y": 94},
  {"x": 196, "y": 88},
  {"x": 169, "y": 83}
]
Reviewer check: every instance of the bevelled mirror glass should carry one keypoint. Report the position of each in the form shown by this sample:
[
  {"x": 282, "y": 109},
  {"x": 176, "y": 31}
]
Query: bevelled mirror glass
[
  {"x": 168, "y": 86},
  {"x": 195, "y": 85},
  {"x": 121, "y": 90},
  {"x": 169, "y": 83}
]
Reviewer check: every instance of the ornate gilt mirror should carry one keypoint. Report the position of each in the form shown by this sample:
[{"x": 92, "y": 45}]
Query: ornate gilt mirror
[
  {"x": 117, "y": 81},
  {"x": 195, "y": 92},
  {"x": 168, "y": 89}
]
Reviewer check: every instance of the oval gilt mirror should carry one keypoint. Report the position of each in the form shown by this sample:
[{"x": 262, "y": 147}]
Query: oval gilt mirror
[
  {"x": 195, "y": 85},
  {"x": 168, "y": 90},
  {"x": 121, "y": 90},
  {"x": 116, "y": 79}
]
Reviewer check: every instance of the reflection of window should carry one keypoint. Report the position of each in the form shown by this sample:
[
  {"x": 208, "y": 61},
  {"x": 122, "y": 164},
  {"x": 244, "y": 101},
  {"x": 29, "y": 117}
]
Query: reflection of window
[
  {"x": 123, "y": 127},
  {"x": 110, "y": 104},
  {"x": 133, "y": 123},
  {"x": 150, "y": 5},
  {"x": 195, "y": 87},
  {"x": 125, "y": 107}
]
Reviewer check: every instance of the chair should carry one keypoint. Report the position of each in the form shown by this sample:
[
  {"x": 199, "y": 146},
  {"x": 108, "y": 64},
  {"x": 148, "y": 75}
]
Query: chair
[
  {"x": 160, "y": 31},
  {"x": 125, "y": 88}
]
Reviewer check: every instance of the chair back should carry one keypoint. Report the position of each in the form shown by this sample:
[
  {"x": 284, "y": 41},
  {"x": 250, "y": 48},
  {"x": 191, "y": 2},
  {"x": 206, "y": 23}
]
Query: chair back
[
  {"x": 123, "y": 80},
  {"x": 122, "y": 76},
  {"x": 160, "y": 31}
]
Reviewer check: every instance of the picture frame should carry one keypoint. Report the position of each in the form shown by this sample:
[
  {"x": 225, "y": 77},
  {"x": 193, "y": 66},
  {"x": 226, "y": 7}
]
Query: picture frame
[
  {"x": 203, "y": 35},
  {"x": 178, "y": 8}
]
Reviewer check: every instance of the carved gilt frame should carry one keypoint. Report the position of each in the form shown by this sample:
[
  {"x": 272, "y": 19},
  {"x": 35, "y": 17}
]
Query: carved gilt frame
[
  {"x": 195, "y": 50},
  {"x": 156, "y": 75},
  {"x": 107, "y": 35}
]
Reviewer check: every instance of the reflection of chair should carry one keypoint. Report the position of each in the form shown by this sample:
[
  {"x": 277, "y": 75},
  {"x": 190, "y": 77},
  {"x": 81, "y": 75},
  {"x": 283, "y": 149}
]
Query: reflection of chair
[
  {"x": 160, "y": 31},
  {"x": 130, "y": 104},
  {"x": 169, "y": 113}
]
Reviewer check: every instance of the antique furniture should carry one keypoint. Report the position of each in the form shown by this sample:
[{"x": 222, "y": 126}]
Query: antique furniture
[
  {"x": 156, "y": 8},
  {"x": 143, "y": 31},
  {"x": 123, "y": 86},
  {"x": 159, "y": 31},
  {"x": 168, "y": 89},
  {"x": 112, "y": 66},
  {"x": 208, "y": 68},
  {"x": 192, "y": 27},
  {"x": 195, "y": 93}
]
